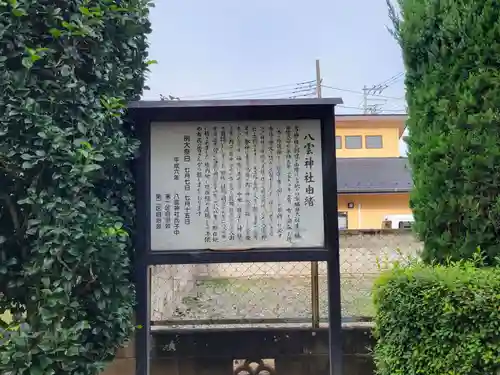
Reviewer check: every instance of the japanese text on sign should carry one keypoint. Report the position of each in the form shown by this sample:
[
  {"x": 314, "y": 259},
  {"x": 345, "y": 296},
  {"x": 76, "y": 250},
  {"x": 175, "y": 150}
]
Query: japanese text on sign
[{"x": 236, "y": 185}]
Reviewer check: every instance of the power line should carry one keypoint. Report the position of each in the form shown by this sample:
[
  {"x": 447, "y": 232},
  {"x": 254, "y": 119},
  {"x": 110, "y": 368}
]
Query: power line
[
  {"x": 281, "y": 89},
  {"x": 348, "y": 107},
  {"x": 393, "y": 82},
  {"x": 395, "y": 77},
  {"x": 283, "y": 93},
  {"x": 395, "y": 108},
  {"x": 369, "y": 92},
  {"x": 361, "y": 93},
  {"x": 390, "y": 81},
  {"x": 373, "y": 93},
  {"x": 303, "y": 95},
  {"x": 296, "y": 90},
  {"x": 361, "y": 108},
  {"x": 260, "y": 90}
]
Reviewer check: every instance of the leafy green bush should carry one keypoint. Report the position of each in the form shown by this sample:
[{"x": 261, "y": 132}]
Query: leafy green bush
[
  {"x": 451, "y": 51},
  {"x": 67, "y": 70},
  {"x": 438, "y": 320}
]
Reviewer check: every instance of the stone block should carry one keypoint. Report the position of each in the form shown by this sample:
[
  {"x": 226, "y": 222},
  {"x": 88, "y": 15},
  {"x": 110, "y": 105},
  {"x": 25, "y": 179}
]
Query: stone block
[
  {"x": 161, "y": 366},
  {"x": 121, "y": 366},
  {"x": 127, "y": 351}
]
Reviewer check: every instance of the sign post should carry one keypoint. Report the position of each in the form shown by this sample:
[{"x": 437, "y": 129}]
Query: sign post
[{"x": 236, "y": 181}]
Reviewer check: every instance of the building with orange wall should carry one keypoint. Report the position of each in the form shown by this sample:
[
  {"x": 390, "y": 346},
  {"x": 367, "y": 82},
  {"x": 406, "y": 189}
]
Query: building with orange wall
[{"x": 373, "y": 180}]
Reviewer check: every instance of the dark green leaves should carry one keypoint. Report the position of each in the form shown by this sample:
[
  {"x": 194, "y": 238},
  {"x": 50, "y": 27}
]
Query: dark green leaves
[
  {"x": 55, "y": 33},
  {"x": 65, "y": 187},
  {"x": 451, "y": 50},
  {"x": 91, "y": 167},
  {"x": 438, "y": 320},
  {"x": 27, "y": 62}
]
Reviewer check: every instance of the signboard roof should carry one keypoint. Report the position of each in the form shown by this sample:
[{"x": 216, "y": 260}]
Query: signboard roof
[
  {"x": 232, "y": 110},
  {"x": 156, "y": 104}
]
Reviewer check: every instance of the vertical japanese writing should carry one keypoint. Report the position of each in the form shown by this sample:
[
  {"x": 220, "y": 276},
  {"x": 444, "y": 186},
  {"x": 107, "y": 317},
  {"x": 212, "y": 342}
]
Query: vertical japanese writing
[
  {"x": 223, "y": 183},
  {"x": 296, "y": 169},
  {"x": 255, "y": 186},
  {"x": 167, "y": 211},
  {"x": 309, "y": 176},
  {"x": 187, "y": 180},
  {"x": 248, "y": 185},
  {"x": 187, "y": 149},
  {"x": 187, "y": 210},
  {"x": 289, "y": 174},
  {"x": 199, "y": 171},
  {"x": 215, "y": 184},
  {"x": 262, "y": 182},
  {"x": 279, "y": 182},
  {"x": 177, "y": 214},
  {"x": 236, "y": 185},
  {"x": 177, "y": 168},
  {"x": 239, "y": 185},
  {"x": 270, "y": 174},
  {"x": 208, "y": 175},
  {"x": 158, "y": 213},
  {"x": 231, "y": 202}
]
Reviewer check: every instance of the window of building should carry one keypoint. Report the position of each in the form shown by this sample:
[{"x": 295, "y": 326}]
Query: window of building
[
  {"x": 404, "y": 224},
  {"x": 373, "y": 141},
  {"x": 353, "y": 141},
  {"x": 342, "y": 217},
  {"x": 338, "y": 142}
]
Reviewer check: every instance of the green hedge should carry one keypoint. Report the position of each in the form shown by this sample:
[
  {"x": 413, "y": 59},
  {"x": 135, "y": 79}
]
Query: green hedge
[
  {"x": 67, "y": 70},
  {"x": 451, "y": 54},
  {"x": 438, "y": 320}
]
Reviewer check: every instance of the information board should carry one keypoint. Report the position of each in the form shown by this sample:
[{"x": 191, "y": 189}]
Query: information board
[{"x": 236, "y": 185}]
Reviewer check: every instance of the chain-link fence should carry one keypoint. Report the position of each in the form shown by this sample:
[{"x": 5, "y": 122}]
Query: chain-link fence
[{"x": 275, "y": 293}]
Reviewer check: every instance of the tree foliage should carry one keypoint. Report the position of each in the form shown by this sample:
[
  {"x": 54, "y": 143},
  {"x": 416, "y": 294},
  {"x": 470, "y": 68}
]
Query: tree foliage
[
  {"x": 67, "y": 70},
  {"x": 451, "y": 51}
]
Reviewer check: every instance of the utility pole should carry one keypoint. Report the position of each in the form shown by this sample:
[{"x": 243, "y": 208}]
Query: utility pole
[
  {"x": 373, "y": 90},
  {"x": 365, "y": 99},
  {"x": 315, "y": 265},
  {"x": 377, "y": 90},
  {"x": 335, "y": 351},
  {"x": 318, "y": 79}
]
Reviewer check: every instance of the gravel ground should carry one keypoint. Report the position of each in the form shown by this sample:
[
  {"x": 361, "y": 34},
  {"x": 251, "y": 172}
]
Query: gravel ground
[{"x": 271, "y": 298}]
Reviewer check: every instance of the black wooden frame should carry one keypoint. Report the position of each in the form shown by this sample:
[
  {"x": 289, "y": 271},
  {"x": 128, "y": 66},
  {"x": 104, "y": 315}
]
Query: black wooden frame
[{"x": 143, "y": 113}]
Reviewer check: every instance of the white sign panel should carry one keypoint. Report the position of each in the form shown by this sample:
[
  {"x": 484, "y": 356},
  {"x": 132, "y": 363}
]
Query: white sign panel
[{"x": 236, "y": 185}]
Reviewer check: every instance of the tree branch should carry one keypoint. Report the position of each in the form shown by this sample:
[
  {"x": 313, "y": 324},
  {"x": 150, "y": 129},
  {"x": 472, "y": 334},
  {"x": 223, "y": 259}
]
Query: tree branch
[{"x": 12, "y": 210}]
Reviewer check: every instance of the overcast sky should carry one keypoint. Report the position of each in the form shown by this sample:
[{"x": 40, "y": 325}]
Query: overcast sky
[{"x": 225, "y": 49}]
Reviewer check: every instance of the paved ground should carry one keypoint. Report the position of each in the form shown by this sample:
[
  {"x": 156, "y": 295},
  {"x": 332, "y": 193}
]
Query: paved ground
[{"x": 271, "y": 298}]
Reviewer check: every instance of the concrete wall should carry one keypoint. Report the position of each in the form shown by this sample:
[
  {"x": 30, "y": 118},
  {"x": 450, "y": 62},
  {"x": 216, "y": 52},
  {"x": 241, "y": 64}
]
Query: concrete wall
[
  {"x": 389, "y": 130},
  {"x": 124, "y": 363},
  {"x": 370, "y": 209},
  {"x": 361, "y": 252}
]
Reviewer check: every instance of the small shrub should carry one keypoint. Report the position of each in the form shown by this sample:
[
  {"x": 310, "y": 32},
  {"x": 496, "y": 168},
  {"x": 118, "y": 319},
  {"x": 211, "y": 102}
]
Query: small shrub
[{"x": 438, "y": 320}]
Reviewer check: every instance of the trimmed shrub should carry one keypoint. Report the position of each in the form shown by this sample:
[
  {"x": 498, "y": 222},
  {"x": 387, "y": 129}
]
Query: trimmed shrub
[
  {"x": 438, "y": 320},
  {"x": 67, "y": 70},
  {"x": 451, "y": 51}
]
